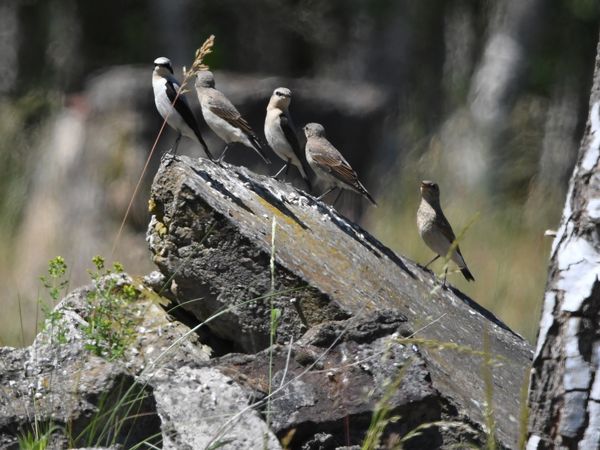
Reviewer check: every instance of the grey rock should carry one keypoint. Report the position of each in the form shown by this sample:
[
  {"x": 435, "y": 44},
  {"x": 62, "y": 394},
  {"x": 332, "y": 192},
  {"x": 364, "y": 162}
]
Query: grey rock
[
  {"x": 321, "y": 441},
  {"x": 180, "y": 403},
  {"x": 203, "y": 407}
]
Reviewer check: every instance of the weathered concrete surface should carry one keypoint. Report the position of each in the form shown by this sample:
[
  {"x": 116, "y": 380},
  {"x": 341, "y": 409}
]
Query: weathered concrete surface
[{"x": 211, "y": 235}]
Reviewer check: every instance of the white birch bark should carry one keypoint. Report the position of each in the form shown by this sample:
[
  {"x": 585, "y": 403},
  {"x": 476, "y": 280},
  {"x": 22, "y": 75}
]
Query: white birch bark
[{"x": 565, "y": 387}]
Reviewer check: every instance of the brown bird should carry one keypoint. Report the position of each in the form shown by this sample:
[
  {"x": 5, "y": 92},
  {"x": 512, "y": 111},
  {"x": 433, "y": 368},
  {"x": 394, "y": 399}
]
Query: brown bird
[
  {"x": 435, "y": 229},
  {"x": 329, "y": 164},
  {"x": 223, "y": 118}
]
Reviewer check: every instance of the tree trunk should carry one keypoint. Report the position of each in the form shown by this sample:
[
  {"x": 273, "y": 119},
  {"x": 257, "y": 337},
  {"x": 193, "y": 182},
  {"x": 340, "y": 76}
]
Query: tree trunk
[{"x": 565, "y": 392}]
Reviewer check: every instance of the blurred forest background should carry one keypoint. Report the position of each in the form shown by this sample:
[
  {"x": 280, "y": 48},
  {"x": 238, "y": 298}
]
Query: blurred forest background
[{"x": 488, "y": 98}]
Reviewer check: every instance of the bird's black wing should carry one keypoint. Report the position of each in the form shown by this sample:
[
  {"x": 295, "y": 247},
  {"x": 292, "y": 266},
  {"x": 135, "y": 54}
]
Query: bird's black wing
[
  {"x": 182, "y": 107},
  {"x": 290, "y": 134}
]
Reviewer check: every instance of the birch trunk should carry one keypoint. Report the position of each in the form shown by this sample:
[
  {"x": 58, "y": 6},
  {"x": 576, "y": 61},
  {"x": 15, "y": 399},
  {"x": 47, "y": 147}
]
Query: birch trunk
[{"x": 565, "y": 392}]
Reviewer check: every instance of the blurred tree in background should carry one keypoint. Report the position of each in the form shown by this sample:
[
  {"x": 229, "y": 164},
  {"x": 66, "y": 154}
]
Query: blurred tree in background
[{"x": 488, "y": 98}]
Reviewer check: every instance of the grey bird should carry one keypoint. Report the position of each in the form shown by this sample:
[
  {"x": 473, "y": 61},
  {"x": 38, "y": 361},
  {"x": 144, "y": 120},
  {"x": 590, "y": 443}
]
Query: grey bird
[
  {"x": 435, "y": 229},
  {"x": 223, "y": 118},
  {"x": 172, "y": 107},
  {"x": 281, "y": 133},
  {"x": 329, "y": 164}
]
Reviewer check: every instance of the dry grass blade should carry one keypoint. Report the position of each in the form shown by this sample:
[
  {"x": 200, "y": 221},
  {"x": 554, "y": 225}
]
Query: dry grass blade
[{"x": 201, "y": 53}]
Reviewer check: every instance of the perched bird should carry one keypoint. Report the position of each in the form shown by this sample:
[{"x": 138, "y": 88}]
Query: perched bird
[
  {"x": 281, "y": 133},
  {"x": 329, "y": 164},
  {"x": 223, "y": 118},
  {"x": 435, "y": 229},
  {"x": 177, "y": 113}
]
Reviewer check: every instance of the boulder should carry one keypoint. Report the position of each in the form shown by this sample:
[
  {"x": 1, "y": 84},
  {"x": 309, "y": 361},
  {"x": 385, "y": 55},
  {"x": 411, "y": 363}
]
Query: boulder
[{"x": 211, "y": 235}]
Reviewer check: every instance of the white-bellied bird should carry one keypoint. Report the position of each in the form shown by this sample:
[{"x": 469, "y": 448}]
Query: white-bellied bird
[
  {"x": 281, "y": 133},
  {"x": 172, "y": 105}
]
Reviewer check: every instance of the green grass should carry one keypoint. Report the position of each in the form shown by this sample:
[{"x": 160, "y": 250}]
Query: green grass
[
  {"x": 38, "y": 437},
  {"x": 21, "y": 124},
  {"x": 275, "y": 314},
  {"x": 382, "y": 415}
]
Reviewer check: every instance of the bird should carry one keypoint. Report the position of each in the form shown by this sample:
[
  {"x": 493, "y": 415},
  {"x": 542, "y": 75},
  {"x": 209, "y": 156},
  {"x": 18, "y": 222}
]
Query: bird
[
  {"x": 223, "y": 118},
  {"x": 172, "y": 106},
  {"x": 281, "y": 133},
  {"x": 436, "y": 231},
  {"x": 329, "y": 164}
]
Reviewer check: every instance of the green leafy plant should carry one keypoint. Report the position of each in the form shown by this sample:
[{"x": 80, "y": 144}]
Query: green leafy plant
[
  {"x": 55, "y": 283},
  {"x": 110, "y": 324}
]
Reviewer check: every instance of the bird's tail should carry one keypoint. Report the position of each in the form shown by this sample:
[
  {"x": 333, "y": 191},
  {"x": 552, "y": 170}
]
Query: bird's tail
[
  {"x": 467, "y": 273},
  {"x": 303, "y": 169},
  {"x": 363, "y": 191},
  {"x": 202, "y": 143},
  {"x": 258, "y": 147}
]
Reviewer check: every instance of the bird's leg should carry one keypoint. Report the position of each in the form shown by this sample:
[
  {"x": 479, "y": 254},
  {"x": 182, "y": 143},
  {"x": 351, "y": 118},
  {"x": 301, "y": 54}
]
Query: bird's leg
[
  {"x": 445, "y": 274},
  {"x": 427, "y": 265},
  {"x": 338, "y": 197},
  {"x": 326, "y": 192},
  {"x": 285, "y": 166},
  {"x": 220, "y": 160},
  {"x": 176, "y": 143}
]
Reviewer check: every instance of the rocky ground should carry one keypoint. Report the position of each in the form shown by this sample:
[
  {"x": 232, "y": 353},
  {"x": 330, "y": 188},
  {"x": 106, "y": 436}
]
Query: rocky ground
[{"x": 242, "y": 341}]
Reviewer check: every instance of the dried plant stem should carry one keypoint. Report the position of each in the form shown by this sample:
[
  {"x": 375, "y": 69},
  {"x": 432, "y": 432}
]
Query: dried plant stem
[
  {"x": 197, "y": 65},
  {"x": 137, "y": 187}
]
